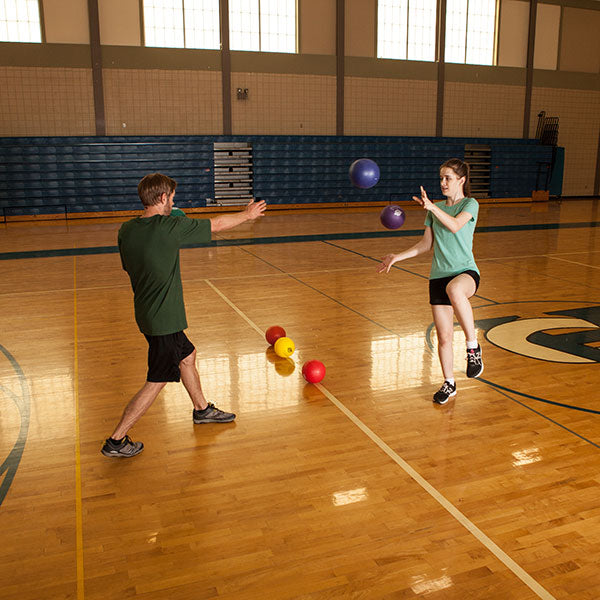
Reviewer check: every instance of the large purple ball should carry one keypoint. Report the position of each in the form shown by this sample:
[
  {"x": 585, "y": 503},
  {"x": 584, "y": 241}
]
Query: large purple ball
[
  {"x": 392, "y": 217},
  {"x": 364, "y": 173}
]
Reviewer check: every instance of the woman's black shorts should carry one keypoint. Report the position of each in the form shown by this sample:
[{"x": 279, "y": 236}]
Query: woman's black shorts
[
  {"x": 437, "y": 287},
  {"x": 165, "y": 352}
]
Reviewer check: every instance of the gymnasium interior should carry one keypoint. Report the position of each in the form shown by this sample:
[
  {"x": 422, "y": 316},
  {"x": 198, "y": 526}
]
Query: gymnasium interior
[{"x": 355, "y": 486}]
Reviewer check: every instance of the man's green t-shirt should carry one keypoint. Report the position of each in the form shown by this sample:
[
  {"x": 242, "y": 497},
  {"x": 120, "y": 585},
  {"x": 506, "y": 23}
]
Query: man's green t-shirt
[
  {"x": 453, "y": 252},
  {"x": 149, "y": 250}
]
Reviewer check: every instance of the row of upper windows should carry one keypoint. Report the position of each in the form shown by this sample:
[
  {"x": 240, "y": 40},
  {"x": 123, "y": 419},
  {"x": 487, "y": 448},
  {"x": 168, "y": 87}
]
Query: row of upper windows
[{"x": 406, "y": 29}]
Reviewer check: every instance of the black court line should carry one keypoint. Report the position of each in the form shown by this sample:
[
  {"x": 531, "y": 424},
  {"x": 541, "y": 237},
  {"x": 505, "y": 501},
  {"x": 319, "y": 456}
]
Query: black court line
[
  {"x": 538, "y": 399},
  {"x": 295, "y": 278},
  {"x": 399, "y": 268},
  {"x": 507, "y": 391},
  {"x": 501, "y": 389},
  {"x": 12, "y": 460},
  {"x": 290, "y": 239}
]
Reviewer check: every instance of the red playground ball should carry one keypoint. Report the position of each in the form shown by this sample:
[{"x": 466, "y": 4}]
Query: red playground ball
[
  {"x": 313, "y": 371},
  {"x": 274, "y": 333},
  {"x": 392, "y": 217}
]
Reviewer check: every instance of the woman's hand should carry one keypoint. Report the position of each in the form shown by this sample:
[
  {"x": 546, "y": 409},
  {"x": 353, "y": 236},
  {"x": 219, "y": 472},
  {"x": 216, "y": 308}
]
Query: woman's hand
[
  {"x": 424, "y": 200},
  {"x": 386, "y": 263}
]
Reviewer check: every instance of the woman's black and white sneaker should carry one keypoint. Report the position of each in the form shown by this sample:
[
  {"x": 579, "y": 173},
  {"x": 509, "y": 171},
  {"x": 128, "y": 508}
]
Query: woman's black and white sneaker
[
  {"x": 445, "y": 393},
  {"x": 474, "y": 362}
]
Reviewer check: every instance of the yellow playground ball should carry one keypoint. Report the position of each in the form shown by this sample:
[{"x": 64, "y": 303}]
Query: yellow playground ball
[{"x": 284, "y": 347}]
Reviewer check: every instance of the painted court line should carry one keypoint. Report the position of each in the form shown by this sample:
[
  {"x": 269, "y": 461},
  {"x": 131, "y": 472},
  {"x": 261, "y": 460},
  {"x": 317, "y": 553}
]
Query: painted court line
[
  {"x": 529, "y": 581},
  {"x": 445, "y": 503},
  {"x": 573, "y": 262},
  {"x": 78, "y": 508},
  {"x": 237, "y": 310}
]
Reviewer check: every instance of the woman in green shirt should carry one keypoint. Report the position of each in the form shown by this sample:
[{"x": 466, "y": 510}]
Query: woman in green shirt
[{"x": 454, "y": 276}]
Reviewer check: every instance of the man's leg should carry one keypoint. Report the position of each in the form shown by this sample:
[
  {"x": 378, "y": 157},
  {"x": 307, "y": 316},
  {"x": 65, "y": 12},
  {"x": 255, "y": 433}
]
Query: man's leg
[
  {"x": 119, "y": 445},
  {"x": 136, "y": 408},
  {"x": 204, "y": 412},
  {"x": 191, "y": 381}
]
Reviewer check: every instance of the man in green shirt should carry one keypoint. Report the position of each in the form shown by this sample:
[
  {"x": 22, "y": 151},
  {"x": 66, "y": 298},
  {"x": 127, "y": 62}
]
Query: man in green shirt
[{"x": 149, "y": 247}]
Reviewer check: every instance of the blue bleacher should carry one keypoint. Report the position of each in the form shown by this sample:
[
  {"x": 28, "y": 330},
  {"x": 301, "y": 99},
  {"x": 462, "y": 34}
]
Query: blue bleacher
[{"x": 100, "y": 174}]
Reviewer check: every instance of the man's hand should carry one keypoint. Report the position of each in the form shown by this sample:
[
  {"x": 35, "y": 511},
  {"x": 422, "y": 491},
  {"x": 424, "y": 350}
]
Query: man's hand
[{"x": 255, "y": 209}]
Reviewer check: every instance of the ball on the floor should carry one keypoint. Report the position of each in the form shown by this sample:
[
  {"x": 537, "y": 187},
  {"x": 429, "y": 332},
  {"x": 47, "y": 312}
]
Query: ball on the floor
[
  {"x": 274, "y": 333},
  {"x": 313, "y": 371},
  {"x": 284, "y": 347}
]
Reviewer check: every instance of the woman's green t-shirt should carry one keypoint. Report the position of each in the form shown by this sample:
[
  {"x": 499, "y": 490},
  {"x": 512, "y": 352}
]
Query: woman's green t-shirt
[{"x": 453, "y": 252}]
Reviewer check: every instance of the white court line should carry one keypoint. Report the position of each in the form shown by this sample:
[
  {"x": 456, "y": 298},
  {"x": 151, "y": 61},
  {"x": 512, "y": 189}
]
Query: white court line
[
  {"x": 445, "y": 503},
  {"x": 574, "y": 262},
  {"x": 527, "y": 579},
  {"x": 237, "y": 310}
]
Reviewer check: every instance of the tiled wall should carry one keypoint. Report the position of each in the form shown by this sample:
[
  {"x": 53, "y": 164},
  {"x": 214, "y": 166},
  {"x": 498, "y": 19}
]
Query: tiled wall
[
  {"x": 283, "y": 104},
  {"x": 52, "y": 101},
  {"x": 578, "y": 112},
  {"x": 483, "y": 110},
  {"x": 162, "y": 102},
  {"x": 46, "y": 101},
  {"x": 379, "y": 106}
]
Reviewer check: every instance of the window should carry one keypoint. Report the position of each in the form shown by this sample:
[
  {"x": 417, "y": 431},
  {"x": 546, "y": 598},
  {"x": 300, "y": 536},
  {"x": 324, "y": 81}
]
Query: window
[
  {"x": 202, "y": 29},
  {"x": 406, "y": 29},
  {"x": 182, "y": 23},
  {"x": 259, "y": 25},
  {"x": 262, "y": 25},
  {"x": 470, "y": 31},
  {"x": 20, "y": 21}
]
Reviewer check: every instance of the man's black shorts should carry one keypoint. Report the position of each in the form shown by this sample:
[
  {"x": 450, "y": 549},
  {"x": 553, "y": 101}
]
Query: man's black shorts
[
  {"x": 165, "y": 352},
  {"x": 437, "y": 287}
]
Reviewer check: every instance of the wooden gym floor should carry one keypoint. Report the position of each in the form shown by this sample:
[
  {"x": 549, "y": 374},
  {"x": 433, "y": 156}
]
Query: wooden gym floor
[{"x": 356, "y": 488}]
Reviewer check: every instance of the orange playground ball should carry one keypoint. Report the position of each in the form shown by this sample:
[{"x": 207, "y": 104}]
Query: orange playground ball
[
  {"x": 313, "y": 371},
  {"x": 274, "y": 333}
]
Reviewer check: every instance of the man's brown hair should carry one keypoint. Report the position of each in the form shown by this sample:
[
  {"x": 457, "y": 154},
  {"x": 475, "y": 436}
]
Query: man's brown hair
[{"x": 153, "y": 186}]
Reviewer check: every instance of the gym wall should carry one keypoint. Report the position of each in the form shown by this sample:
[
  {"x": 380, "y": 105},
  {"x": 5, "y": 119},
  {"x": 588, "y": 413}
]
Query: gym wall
[{"x": 47, "y": 88}]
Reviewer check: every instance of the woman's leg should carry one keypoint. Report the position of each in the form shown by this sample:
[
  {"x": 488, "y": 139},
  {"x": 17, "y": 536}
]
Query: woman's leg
[
  {"x": 443, "y": 318},
  {"x": 459, "y": 290}
]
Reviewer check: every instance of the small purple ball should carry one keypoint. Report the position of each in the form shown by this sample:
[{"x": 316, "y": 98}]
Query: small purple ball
[{"x": 392, "y": 217}]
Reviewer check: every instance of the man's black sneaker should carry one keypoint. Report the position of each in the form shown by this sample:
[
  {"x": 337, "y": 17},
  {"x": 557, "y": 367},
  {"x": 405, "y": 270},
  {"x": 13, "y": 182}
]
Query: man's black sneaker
[
  {"x": 445, "y": 393},
  {"x": 474, "y": 362},
  {"x": 125, "y": 449},
  {"x": 212, "y": 414}
]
